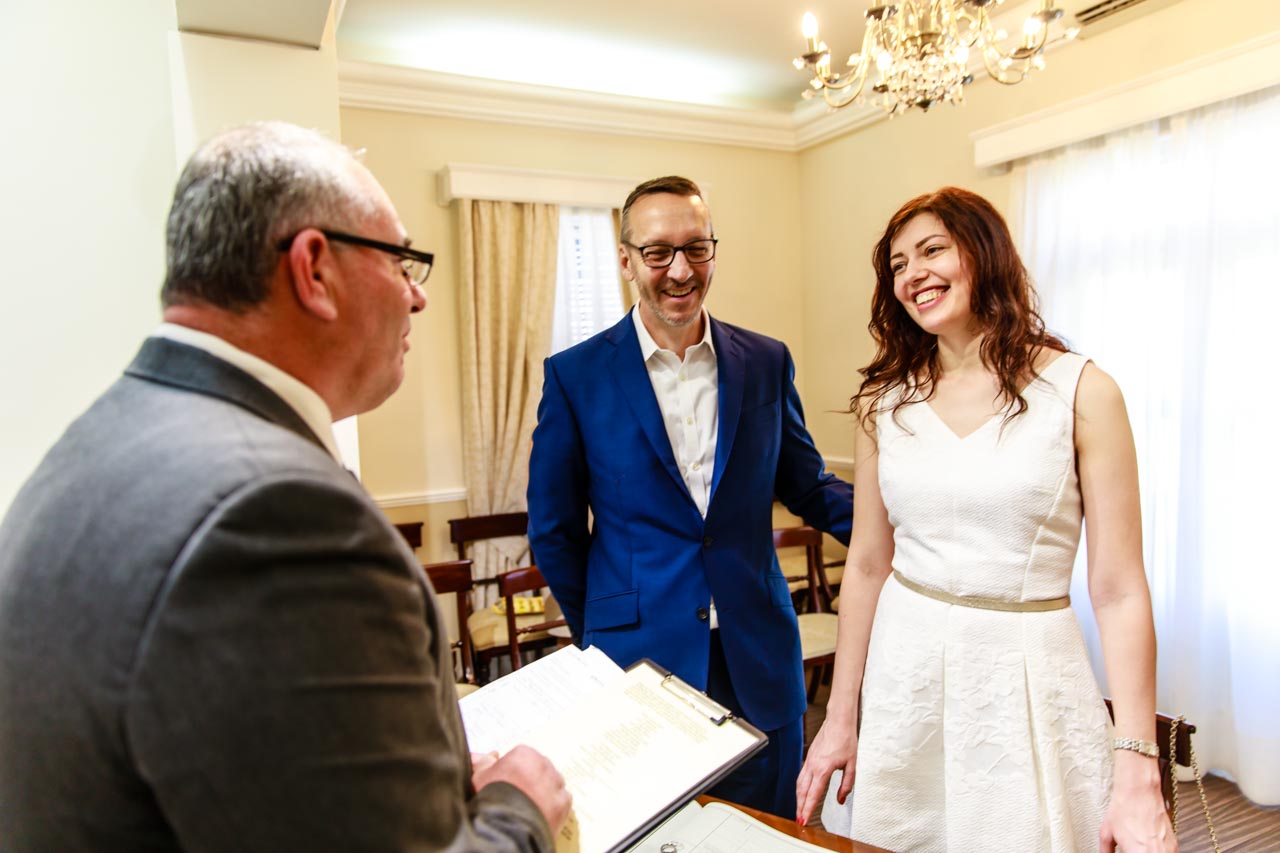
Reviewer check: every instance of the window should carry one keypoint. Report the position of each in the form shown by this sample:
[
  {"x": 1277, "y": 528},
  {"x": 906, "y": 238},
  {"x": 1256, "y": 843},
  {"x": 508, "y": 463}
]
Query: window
[
  {"x": 1155, "y": 250},
  {"x": 588, "y": 286}
]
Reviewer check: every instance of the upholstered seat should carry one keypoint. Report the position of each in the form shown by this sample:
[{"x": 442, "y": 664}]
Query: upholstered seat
[{"x": 817, "y": 623}]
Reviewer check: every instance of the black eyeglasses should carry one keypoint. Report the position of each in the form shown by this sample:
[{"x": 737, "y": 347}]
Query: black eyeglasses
[
  {"x": 659, "y": 257},
  {"x": 415, "y": 265}
]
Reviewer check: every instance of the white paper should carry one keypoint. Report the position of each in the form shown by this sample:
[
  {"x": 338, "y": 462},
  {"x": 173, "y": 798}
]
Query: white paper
[
  {"x": 533, "y": 694},
  {"x": 719, "y": 828}
]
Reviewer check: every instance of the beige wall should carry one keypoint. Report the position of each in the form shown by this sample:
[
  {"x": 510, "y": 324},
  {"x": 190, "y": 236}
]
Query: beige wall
[
  {"x": 86, "y": 172},
  {"x": 854, "y": 184},
  {"x": 412, "y": 445}
]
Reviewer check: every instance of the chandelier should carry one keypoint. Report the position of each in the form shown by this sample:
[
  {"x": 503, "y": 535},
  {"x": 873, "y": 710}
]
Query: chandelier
[{"x": 921, "y": 49}]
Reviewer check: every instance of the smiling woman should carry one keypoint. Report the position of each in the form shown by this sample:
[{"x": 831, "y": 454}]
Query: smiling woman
[{"x": 962, "y": 696}]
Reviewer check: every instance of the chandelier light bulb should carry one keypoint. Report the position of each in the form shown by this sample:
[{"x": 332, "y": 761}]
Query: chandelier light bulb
[
  {"x": 1032, "y": 26},
  {"x": 809, "y": 26}
]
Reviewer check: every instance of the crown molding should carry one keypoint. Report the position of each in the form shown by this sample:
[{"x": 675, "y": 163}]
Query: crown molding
[
  {"x": 385, "y": 87},
  {"x": 1237, "y": 70}
]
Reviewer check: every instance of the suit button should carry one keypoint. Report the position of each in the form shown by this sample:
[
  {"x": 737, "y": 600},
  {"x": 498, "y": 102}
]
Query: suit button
[
  {"x": 706, "y": 541},
  {"x": 703, "y": 614}
]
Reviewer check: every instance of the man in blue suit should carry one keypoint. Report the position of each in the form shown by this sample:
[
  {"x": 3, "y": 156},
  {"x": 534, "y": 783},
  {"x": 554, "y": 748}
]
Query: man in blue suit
[{"x": 674, "y": 432}]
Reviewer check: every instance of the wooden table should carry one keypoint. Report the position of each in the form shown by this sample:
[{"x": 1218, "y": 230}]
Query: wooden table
[{"x": 818, "y": 837}]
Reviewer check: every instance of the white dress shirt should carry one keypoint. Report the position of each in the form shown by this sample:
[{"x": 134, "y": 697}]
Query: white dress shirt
[
  {"x": 688, "y": 396},
  {"x": 307, "y": 403}
]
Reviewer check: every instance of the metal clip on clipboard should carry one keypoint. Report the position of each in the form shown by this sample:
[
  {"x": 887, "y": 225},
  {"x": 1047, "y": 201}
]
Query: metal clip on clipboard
[{"x": 699, "y": 701}]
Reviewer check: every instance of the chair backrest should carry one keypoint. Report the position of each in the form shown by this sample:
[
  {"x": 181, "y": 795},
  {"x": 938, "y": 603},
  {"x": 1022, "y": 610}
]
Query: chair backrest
[
  {"x": 811, "y": 540},
  {"x": 511, "y": 584},
  {"x": 454, "y": 577},
  {"x": 476, "y": 527}
]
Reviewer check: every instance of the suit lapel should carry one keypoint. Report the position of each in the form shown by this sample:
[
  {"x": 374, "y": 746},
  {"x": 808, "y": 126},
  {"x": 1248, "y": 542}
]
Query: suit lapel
[
  {"x": 731, "y": 373},
  {"x": 626, "y": 364},
  {"x": 190, "y": 368}
]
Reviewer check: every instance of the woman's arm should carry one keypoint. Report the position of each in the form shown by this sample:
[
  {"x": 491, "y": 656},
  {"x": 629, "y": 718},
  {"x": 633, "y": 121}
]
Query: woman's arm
[
  {"x": 868, "y": 564},
  {"x": 1108, "y": 469}
]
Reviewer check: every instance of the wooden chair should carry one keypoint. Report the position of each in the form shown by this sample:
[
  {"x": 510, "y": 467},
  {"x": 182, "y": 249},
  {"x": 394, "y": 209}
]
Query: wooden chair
[
  {"x": 488, "y": 629},
  {"x": 817, "y": 623},
  {"x": 474, "y": 528},
  {"x": 454, "y": 577},
  {"x": 1181, "y": 753},
  {"x": 531, "y": 630}
]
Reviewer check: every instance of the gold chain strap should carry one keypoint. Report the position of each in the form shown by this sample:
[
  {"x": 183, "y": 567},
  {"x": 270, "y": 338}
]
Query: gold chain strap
[{"x": 1195, "y": 769}]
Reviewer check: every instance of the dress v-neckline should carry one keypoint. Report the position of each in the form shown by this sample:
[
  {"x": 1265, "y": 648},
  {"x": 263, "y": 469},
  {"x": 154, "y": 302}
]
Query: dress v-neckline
[
  {"x": 957, "y": 436},
  {"x": 987, "y": 421}
]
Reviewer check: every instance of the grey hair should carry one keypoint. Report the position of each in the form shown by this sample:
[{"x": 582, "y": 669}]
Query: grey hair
[{"x": 242, "y": 193}]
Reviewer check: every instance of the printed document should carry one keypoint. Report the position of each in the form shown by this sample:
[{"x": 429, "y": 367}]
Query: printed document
[{"x": 632, "y": 745}]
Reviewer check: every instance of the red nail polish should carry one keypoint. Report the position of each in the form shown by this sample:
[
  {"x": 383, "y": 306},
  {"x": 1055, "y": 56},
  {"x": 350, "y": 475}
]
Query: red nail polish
[{"x": 800, "y": 821}]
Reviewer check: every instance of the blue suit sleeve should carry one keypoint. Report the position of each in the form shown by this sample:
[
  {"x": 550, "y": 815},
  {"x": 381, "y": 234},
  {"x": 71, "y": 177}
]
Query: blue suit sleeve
[
  {"x": 802, "y": 482},
  {"x": 558, "y": 500}
]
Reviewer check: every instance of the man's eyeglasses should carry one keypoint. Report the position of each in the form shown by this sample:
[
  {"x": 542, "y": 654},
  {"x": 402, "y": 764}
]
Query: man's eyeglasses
[
  {"x": 660, "y": 257},
  {"x": 415, "y": 265}
]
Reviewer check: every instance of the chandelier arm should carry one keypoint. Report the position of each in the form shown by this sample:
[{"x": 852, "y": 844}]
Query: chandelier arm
[
  {"x": 998, "y": 74},
  {"x": 842, "y": 102}
]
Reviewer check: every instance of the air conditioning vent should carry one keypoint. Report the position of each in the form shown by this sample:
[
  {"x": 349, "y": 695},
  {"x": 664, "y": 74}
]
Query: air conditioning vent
[
  {"x": 1096, "y": 16},
  {"x": 1105, "y": 9}
]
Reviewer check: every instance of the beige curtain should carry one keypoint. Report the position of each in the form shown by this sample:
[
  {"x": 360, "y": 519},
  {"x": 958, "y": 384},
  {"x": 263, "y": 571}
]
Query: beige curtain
[
  {"x": 629, "y": 291},
  {"x": 508, "y": 269}
]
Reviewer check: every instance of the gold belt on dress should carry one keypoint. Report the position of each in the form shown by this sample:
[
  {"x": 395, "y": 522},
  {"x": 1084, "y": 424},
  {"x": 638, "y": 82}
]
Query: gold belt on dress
[{"x": 1038, "y": 606}]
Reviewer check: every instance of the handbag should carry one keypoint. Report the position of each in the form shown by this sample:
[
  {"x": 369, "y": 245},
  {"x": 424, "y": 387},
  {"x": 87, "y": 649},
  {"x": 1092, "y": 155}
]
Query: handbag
[{"x": 1173, "y": 782}]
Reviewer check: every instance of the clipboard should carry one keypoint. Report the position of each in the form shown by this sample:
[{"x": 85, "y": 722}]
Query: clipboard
[
  {"x": 634, "y": 745},
  {"x": 717, "y": 715}
]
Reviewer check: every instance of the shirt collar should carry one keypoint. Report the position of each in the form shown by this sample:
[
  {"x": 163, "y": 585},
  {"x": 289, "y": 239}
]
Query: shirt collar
[
  {"x": 309, "y": 405},
  {"x": 648, "y": 346}
]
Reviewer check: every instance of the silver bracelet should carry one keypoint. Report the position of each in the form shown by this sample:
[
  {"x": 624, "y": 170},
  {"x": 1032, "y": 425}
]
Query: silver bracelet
[{"x": 1142, "y": 747}]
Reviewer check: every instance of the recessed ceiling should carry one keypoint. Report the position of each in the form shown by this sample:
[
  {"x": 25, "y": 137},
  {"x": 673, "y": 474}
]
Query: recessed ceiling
[{"x": 731, "y": 53}]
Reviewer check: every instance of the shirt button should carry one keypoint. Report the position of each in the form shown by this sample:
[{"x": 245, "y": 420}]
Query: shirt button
[
  {"x": 703, "y": 614},
  {"x": 697, "y": 466},
  {"x": 681, "y": 377},
  {"x": 688, "y": 420},
  {"x": 706, "y": 541}
]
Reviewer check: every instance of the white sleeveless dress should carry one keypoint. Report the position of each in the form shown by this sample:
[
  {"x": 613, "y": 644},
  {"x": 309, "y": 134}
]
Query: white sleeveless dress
[{"x": 981, "y": 729}]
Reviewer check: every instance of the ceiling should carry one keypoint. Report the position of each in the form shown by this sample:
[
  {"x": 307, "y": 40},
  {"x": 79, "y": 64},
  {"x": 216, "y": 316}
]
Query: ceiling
[{"x": 731, "y": 53}]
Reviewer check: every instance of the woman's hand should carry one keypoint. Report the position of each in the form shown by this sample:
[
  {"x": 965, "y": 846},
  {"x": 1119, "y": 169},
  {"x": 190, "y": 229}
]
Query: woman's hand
[
  {"x": 834, "y": 748},
  {"x": 1136, "y": 821}
]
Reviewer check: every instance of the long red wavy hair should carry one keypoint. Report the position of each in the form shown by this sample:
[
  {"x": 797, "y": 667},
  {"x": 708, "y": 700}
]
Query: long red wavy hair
[{"x": 1003, "y": 303}]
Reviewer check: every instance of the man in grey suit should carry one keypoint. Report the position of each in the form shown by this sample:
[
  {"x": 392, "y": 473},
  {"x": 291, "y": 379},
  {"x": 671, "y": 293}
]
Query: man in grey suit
[{"x": 210, "y": 637}]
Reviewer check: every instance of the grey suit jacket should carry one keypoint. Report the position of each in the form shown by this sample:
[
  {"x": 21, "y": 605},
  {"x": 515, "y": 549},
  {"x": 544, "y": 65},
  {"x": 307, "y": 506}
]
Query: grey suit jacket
[{"x": 211, "y": 639}]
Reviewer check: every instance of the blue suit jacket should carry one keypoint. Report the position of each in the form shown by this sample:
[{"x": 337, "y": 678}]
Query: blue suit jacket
[{"x": 638, "y": 582}]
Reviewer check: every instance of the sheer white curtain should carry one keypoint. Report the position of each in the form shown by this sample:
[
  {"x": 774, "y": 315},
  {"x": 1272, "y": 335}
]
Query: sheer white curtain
[
  {"x": 1156, "y": 251},
  {"x": 588, "y": 286}
]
